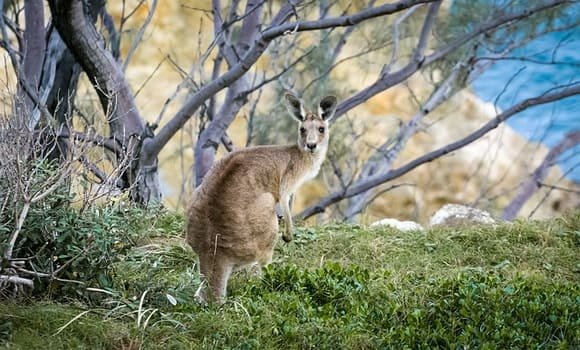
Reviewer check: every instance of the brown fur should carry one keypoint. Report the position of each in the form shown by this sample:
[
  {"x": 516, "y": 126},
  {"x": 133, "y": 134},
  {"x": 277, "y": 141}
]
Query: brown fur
[{"x": 232, "y": 218}]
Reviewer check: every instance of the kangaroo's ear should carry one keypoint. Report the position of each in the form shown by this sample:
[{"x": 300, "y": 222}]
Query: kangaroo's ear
[
  {"x": 327, "y": 107},
  {"x": 295, "y": 107}
]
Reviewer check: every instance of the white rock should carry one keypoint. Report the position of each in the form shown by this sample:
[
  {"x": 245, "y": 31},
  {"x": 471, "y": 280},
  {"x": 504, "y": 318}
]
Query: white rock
[
  {"x": 455, "y": 214},
  {"x": 399, "y": 225}
]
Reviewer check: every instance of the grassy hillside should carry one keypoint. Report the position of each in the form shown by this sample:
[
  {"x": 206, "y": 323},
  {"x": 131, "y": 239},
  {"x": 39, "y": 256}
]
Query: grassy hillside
[{"x": 337, "y": 286}]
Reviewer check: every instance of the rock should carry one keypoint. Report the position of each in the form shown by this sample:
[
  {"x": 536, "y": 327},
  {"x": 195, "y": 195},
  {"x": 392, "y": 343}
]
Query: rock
[
  {"x": 457, "y": 215},
  {"x": 404, "y": 226}
]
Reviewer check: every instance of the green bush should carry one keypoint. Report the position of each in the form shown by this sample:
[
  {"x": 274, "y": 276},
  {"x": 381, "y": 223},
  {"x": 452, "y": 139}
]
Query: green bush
[
  {"x": 89, "y": 242},
  {"x": 81, "y": 246}
]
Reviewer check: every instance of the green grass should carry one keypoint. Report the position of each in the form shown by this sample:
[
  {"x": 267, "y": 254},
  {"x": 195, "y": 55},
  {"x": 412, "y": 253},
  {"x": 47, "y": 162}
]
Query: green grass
[{"x": 336, "y": 287}]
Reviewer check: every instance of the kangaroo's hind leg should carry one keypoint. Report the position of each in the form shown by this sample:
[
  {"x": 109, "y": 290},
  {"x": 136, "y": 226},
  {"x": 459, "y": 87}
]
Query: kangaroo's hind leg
[
  {"x": 216, "y": 271},
  {"x": 201, "y": 295}
]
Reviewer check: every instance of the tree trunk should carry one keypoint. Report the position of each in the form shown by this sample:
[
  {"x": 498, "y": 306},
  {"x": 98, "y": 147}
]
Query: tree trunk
[
  {"x": 58, "y": 86},
  {"x": 33, "y": 53},
  {"x": 140, "y": 174},
  {"x": 210, "y": 138},
  {"x": 60, "y": 78}
]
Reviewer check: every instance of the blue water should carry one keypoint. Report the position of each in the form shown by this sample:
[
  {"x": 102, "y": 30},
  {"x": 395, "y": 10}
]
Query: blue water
[{"x": 546, "y": 123}]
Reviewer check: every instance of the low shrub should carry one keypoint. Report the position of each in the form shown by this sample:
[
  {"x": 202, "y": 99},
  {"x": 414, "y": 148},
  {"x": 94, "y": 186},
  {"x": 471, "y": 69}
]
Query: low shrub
[{"x": 71, "y": 250}]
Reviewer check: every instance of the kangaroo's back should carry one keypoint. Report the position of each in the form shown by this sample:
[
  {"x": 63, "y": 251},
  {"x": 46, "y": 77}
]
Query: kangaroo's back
[{"x": 234, "y": 197}]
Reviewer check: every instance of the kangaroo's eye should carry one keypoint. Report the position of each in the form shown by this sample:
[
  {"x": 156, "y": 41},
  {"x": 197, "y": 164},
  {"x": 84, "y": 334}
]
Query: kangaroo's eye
[
  {"x": 302, "y": 130},
  {"x": 321, "y": 129}
]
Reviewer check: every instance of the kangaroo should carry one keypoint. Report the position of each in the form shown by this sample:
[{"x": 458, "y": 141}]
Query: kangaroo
[{"x": 232, "y": 221}]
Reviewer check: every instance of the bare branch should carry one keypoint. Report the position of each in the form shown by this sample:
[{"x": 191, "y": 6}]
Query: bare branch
[
  {"x": 17, "y": 280},
  {"x": 86, "y": 44},
  {"x": 485, "y": 27},
  {"x": 139, "y": 36},
  {"x": 419, "y": 51},
  {"x": 113, "y": 35},
  {"x": 333, "y": 64},
  {"x": 255, "y": 52},
  {"x": 98, "y": 140},
  {"x": 150, "y": 76},
  {"x": 33, "y": 95},
  {"x": 206, "y": 11},
  {"x": 250, "y": 124},
  {"x": 125, "y": 18},
  {"x": 551, "y": 189},
  {"x": 33, "y": 54},
  {"x": 395, "y": 51},
  {"x": 559, "y": 188},
  {"x": 528, "y": 59},
  {"x": 5, "y": 44},
  {"x": 361, "y": 186},
  {"x": 380, "y": 191},
  {"x": 235, "y": 99},
  {"x": 282, "y": 71},
  {"x": 228, "y": 143},
  {"x": 534, "y": 182},
  {"x": 344, "y": 37},
  {"x": 386, "y": 81},
  {"x": 14, "y": 235},
  {"x": 46, "y": 275},
  {"x": 386, "y": 154}
]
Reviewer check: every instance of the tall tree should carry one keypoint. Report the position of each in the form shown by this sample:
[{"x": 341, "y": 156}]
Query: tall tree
[{"x": 448, "y": 37}]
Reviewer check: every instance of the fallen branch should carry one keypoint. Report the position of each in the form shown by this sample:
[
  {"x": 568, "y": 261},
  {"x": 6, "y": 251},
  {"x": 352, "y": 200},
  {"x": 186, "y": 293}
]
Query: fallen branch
[
  {"x": 46, "y": 275},
  {"x": 17, "y": 280}
]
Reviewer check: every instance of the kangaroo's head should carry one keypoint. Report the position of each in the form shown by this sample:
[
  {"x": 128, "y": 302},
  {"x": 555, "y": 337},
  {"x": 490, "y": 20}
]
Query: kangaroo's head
[{"x": 312, "y": 127}]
